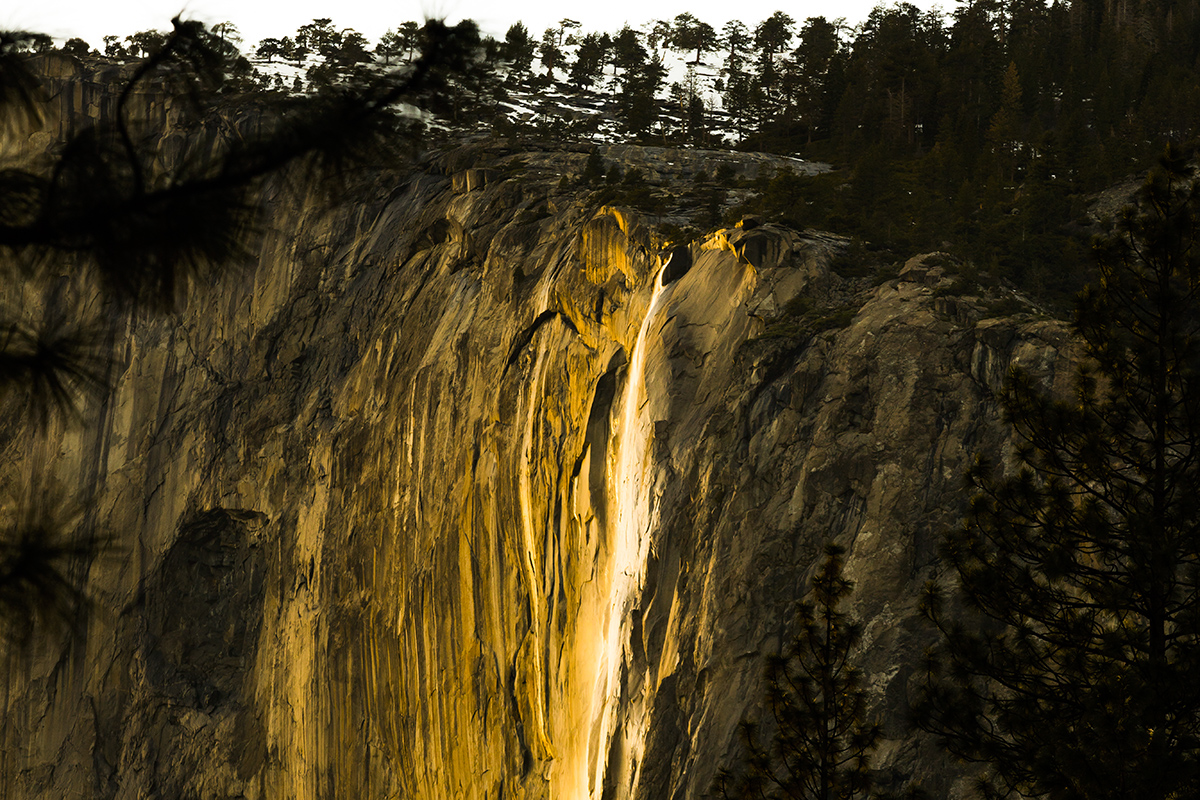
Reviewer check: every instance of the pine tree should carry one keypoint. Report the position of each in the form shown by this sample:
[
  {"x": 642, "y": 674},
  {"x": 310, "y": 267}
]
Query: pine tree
[
  {"x": 589, "y": 62},
  {"x": 270, "y": 47},
  {"x": 317, "y": 35},
  {"x": 549, "y": 52},
  {"x": 773, "y": 35},
  {"x": 735, "y": 38},
  {"x": 1004, "y": 131},
  {"x": 637, "y": 106},
  {"x": 627, "y": 53},
  {"x": 131, "y": 229},
  {"x": 1070, "y": 669},
  {"x": 822, "y": 745},
  {"x": 690, "y": 33},
  {"x": 519, "y": 48},
  {"x": 410, "y": 38},
  {"x": 815, "y": 72},
  {"x": 77, "y": 47}
]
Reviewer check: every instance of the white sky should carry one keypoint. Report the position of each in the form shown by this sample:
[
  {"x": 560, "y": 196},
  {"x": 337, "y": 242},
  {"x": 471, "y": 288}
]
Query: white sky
[{"x": 256, "y": 19}]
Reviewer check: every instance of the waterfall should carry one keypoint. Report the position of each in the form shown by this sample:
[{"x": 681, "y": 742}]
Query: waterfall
[{"x": 630, "y": 492}]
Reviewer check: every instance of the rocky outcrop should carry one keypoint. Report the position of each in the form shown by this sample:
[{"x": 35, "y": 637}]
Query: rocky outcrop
[
  {"x": 76, "y": 95},
  {"x": 453, "y": 497}
]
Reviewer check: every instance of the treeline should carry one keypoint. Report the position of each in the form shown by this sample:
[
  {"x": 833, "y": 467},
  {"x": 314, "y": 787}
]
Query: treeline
[
  {"x": 343, "y": 54},
  {"x": 983, "y": 131},
  {"x": 989, "y": 129}
]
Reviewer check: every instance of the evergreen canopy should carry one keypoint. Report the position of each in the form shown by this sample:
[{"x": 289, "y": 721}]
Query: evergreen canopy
[{"x": 1071, "y": 670}]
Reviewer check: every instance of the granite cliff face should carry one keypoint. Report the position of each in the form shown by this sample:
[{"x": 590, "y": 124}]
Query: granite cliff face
[{"x": 474, "y": 490}]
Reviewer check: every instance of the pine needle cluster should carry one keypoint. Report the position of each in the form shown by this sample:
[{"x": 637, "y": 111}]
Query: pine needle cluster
[{"x": 109, "y": 220}]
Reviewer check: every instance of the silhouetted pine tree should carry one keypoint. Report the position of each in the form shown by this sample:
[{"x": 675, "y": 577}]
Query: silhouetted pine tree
[
  {"x": 1070, "y": 668},
  {"x": 822, "y": 744},
  {"x": 104, "y": 210}
]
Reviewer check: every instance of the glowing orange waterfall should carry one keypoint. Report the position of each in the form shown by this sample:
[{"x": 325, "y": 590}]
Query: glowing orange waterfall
[{"x": 630, "y": 497}]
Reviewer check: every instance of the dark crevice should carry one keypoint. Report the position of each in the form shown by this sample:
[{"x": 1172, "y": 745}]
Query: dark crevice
[
  {"x": 597, "y": 432},
  {"x": 678, "y": 264},
  {"x": 522, "y": 340},
  {"x": 519, "y": 723}
]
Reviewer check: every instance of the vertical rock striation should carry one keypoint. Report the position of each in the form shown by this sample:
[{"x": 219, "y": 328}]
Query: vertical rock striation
[{"x": 449, "y": 498}]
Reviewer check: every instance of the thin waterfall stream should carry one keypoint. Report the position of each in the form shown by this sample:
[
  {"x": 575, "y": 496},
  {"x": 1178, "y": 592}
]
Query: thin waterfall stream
[{"x": 630, "y": 495}]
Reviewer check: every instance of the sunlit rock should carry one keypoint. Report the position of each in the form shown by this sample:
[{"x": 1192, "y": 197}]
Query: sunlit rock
[{"x": 455, "y": 496}]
